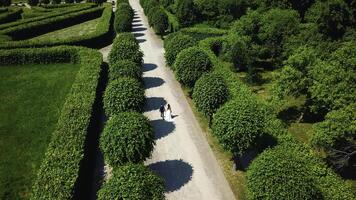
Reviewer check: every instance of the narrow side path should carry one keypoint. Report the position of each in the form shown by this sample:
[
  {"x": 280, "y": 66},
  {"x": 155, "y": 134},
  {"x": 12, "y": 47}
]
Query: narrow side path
[{"x": 182, "y": 155}]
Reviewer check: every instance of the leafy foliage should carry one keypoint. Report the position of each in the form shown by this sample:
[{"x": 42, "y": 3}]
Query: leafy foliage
[
  {"x": 186, "y": 12},
  {"x": 125, "y": 47},
  {"x": 123, "y": 94},
  {"x": 175, "y": 44},
  {"x": 123, "y": 18},
  {"x": 190, "y": 64},
  {"x": 132, "y": 181},
  {"x": 160, "y": 21},
  {"x": 280, "y": 173},
  {"x": 125, "y": 68},
  {"x": 210, "y": 92},
  {"x": 127, "y": 137},
  {"x": 238, "y": 123}
]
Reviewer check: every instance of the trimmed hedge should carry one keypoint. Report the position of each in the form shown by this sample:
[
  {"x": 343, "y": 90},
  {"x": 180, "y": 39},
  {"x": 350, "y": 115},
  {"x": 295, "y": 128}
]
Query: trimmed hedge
[
  {"x": 123, "y": 94},
  {"x": 47, "y": 25},
  {"x": 174, "y": 44},
  {"x": 239, "y": 123},
  {"x": 60, "y": 167},
  {"x": 127, "y": 138},
  {"x": 132, "y": 181},
  {"x": 159, "y": 21},
  {"x": 125, "y": 68},
  {"x": 102, "y": 35},
  {"x": 210, "y": 92},
  {"x": 125, "y": 47},
  {"x": 123, "y": 18},
  {"x": 200, "y": 33},
  {"x": 11, "y": 15},
  {"x": 190, "y": 64}
]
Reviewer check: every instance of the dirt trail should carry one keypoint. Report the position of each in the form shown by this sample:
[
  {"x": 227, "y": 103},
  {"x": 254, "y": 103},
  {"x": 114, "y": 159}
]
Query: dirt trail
[{"x": 182, "y": 155}]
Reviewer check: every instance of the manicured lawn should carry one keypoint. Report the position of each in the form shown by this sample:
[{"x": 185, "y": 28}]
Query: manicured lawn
[
  {"x": 30, "y": 103},
  {"x": 72, "y": 31}
]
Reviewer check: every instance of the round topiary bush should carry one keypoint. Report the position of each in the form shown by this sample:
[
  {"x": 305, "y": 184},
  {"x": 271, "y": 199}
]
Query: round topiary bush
[
  {"x": 174, "y": 45},
  {"x": 210, "y": 92},
  {"x": 125, "y": 47},
  {"x": 281, "y": 173},
  {"x": 132, "y": 181},
  {"x": 191, "y": 63},
  {"x": 127, "y": 137},
  {"x": 159, "y": 21},
  {"x": 125, "y": 68},
  {"x": 123, "y": 94},
  {"x": 238, "y": 123}
]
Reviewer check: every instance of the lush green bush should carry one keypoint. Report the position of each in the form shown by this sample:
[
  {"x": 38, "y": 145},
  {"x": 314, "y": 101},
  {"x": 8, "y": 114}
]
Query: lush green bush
[
  {"x": 125, "y": 68},
  {"x": 147, "y": 5},
  {"x": 186, "y": 12},
  {"x": 125, "y": 47},
  {"x": 132, "y": 181},
  {"x": 5, "y": 3},
  {"x": 69, "y": 1},
  {"x": 174, "y": 45},
  {"x": 160, "y": 21},
  {"x": 281, "y": 173},
  {"x": 210, "y": 92},
  {"x": 200, "y": 33},
  {"x": 56, "y": 1},
  {"x": 331, "y": 16},
  {"x": 238, "y": 123},
  {"x": 45, "y": 2},
  {"x": 101, "y": 36},
  {"x": 123, "y": 18},
  {"x": 127, "y": 137},
  {"x": 124, "y": 94},
  {"x": 59, "y": 170},
  {"x": 190, "y": 64},
  {"x": 11, "y": 15}
]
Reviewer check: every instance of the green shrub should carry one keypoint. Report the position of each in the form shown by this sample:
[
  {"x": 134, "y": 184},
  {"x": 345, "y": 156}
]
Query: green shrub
[
  {"x": 190, "y": 64},
  {"x": 160, "y": 21},
  {"x": 59, "y": 169},
  {"x": 11, "y": 15},
  {"x": 56, "y": 1},
  {"x": 132, "y": 181},
  {"x": 69, "y": 1},
  {"x": 32, "y": 2},
  {"x": 125, "y": 47},
  {"x": 186, "y": 12},
  {"x": 175, "y": 44},
  {"x": 125, "y": 68},
  {"x": 210, "y": 92},
  {"x": 124, "y": 94},
  {"x": 123, "y": 18},
  {"x": 238, "y": 123},
  {"x": 281, "y": 173},
  {"x": 127, "y": 137},
  {"x": 45, "y": 2}
]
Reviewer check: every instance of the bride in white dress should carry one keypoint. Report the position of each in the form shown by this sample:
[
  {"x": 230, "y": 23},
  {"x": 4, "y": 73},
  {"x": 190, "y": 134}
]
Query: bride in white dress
[{"x": 168, "y": 114}]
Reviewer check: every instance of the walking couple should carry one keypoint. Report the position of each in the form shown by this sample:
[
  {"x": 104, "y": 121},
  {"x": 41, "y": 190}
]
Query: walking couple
[{"x": 166, "y": 114}]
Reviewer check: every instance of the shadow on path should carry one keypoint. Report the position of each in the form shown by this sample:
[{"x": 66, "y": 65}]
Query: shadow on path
[
  {"x": 148, "y": 67},
  {"x": 136, "y": 20},
  {"x": 136, "y": 25},
  {"x": 153, "y": 103},
  {"x": 176, "y": 173},
  {"x": 138, "y": 29},
  {"x": 139, "y": 34},
  {"x": 152, "y": 82},
  {"x": 162, "y": 128}
]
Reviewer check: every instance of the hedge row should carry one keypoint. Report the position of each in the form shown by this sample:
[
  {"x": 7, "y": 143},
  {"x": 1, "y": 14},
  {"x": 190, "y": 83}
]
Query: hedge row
[
  {"x": 44, "y": 26},
  {"x": 174, "y": 44},
  {"x": 102, "y": 34},
  {"x": 123, "y": 17},
  {"x": 125, "y": 47},
  {"x": 157, "y": 16},
  {"x": 74, "y": 9},
  {"x": 10, "y": 16},
  {"x": 200, "y": 33},
  {"x": 60, "y": 167}
]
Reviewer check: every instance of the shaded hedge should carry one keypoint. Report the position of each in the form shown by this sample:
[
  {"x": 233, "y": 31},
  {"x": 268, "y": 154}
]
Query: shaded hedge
[
  {"x": 159, "y": 21},
  {"x": 102, "y": 34},
  {"x": 123, "y": 17},
  {"x": 125, "y": 68},
  {"x": 11, "y": 15},
  {"x": 123, "y": 94},
  {"x": 210, "y": 92},
  {"x": 125, "y": 47},
  {"x": 60, "y": 167},
  {"x": 175, "y": 44},
  {"x": 190, "y": 64},
  {"x": 132, "y": 181},
  {"x": 239, "y": 123},
  {"x": 127, "y": 138}
]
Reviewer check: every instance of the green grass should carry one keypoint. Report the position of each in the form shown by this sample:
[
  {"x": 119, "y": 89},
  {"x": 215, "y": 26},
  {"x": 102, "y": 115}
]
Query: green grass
[
  {"x": 31, "y": 100},
  {"x": 236, "y": 179},
  {"x": 85, "y": 28}
]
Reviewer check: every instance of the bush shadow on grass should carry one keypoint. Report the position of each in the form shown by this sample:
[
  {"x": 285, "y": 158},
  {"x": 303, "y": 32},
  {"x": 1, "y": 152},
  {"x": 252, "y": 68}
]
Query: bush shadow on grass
[
  {"x": 153, "y": 103},
  {"x": 176, "y": 173},
  {"x": 152, "y": 82},
  {"x": 162, "y": 128}
]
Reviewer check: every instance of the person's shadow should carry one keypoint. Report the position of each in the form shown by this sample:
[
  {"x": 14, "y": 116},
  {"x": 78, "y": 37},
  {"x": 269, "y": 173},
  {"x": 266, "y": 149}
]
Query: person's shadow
[{"x": 176, "y": 173}]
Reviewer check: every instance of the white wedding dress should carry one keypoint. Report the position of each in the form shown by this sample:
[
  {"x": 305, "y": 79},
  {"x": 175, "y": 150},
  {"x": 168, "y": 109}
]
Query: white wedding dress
[{"x": 168, "y": 116}]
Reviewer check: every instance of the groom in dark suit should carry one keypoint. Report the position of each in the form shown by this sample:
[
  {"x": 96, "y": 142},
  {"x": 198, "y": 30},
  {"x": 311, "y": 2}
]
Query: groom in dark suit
[{"x": 161, "y": 110}]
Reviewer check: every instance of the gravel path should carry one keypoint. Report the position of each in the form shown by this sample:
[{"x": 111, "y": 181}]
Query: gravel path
[{"x": 182, "y": 155}]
